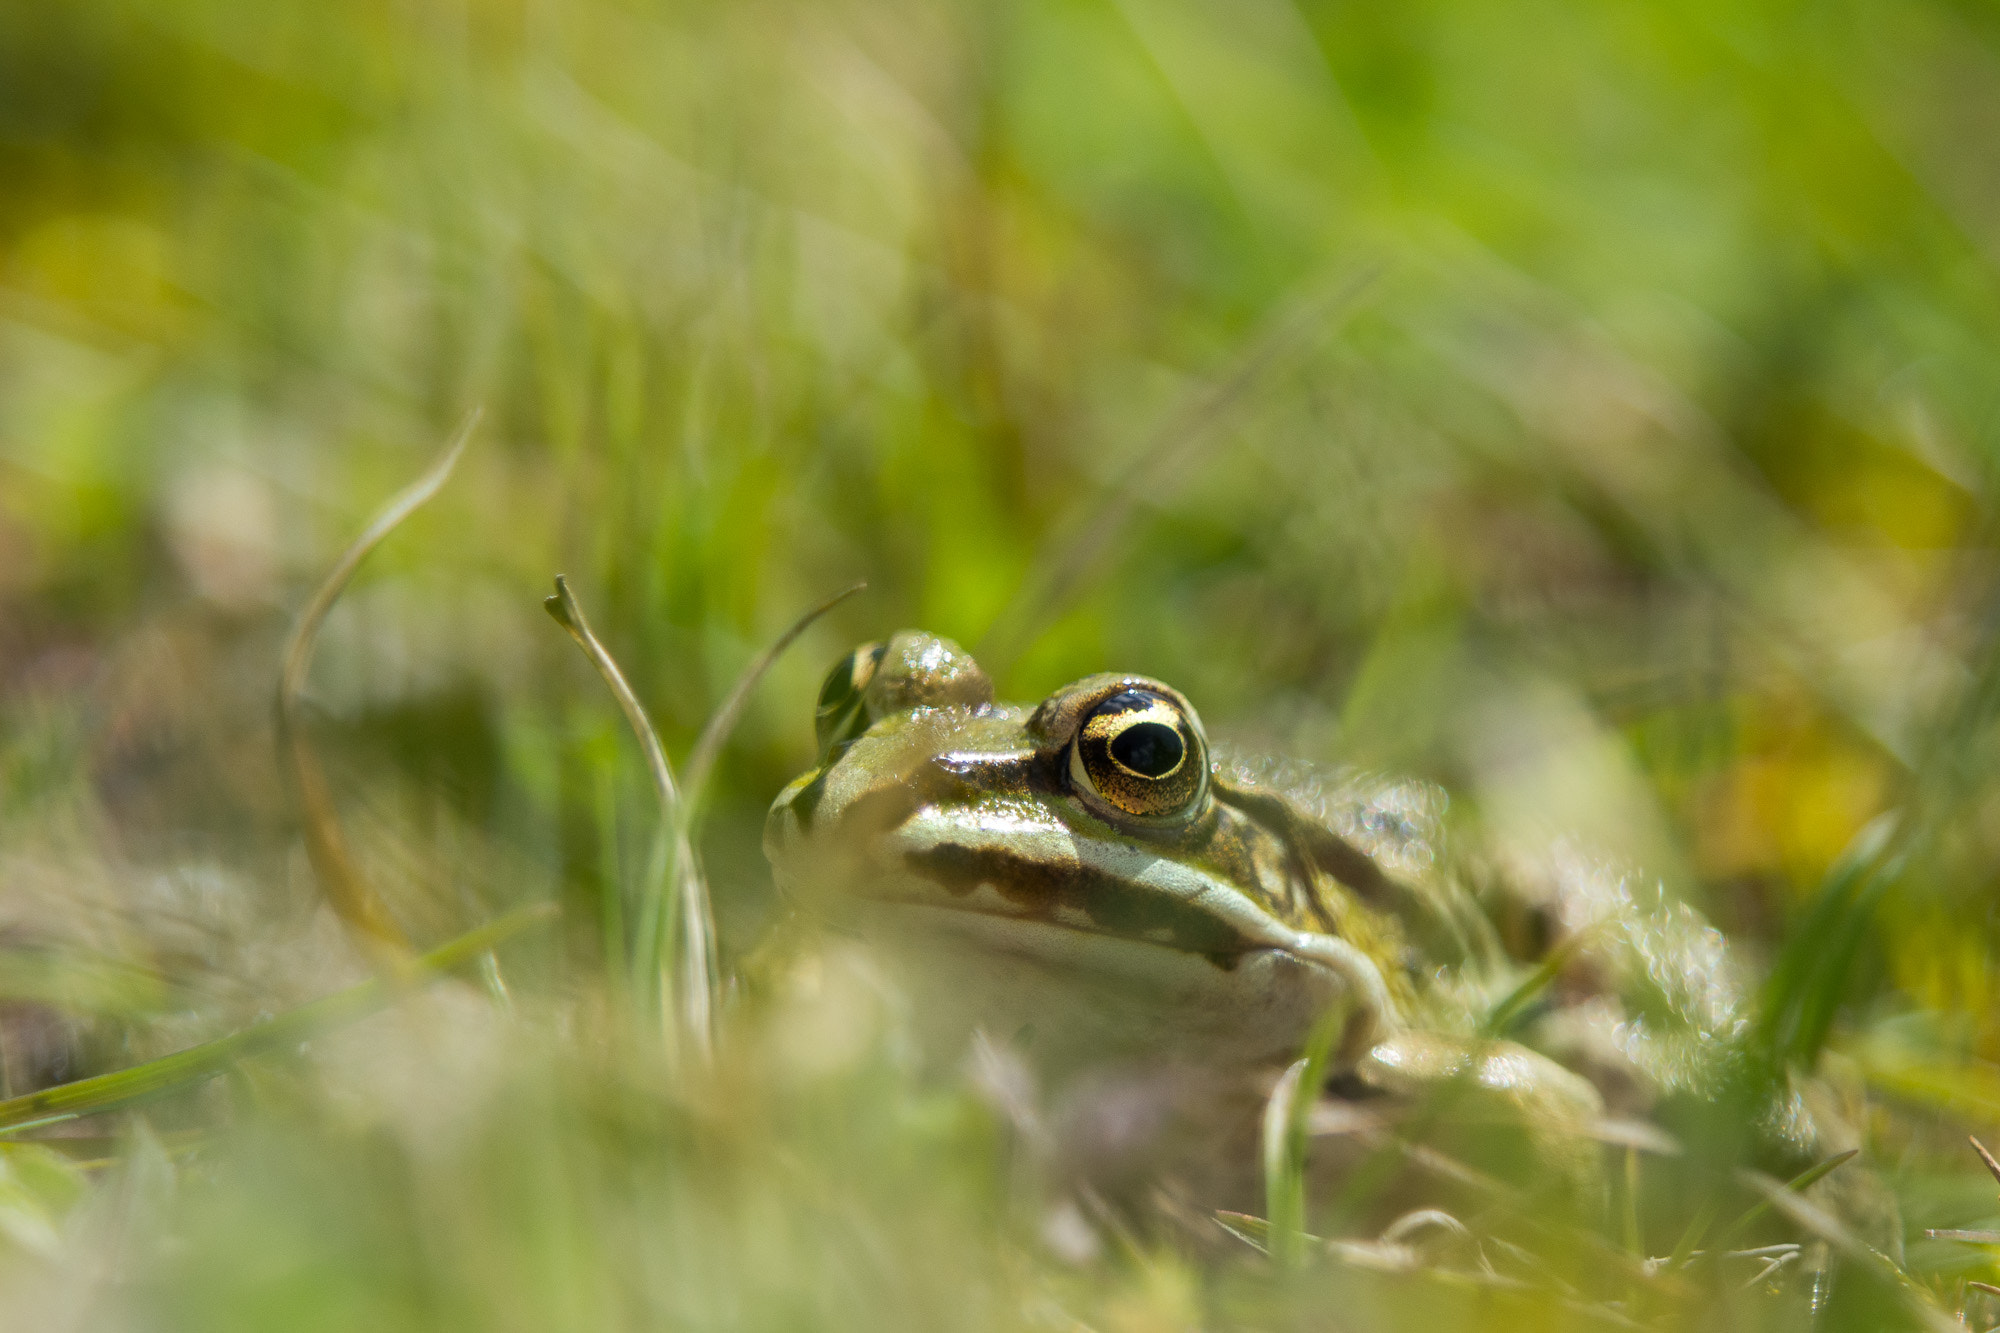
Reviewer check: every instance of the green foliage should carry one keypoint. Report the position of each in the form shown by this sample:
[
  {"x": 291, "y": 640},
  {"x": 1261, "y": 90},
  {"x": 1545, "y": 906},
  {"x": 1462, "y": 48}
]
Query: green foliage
[{"x": 1588, "y": 407}]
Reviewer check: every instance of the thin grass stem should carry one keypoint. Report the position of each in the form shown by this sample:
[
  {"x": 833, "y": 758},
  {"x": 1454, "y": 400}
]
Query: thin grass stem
[
  {"x": 1798, "y": 1184},
  {"x": 183, "y": 1069},
  {"x": 674, "y": 883},
  {"x": 701, "y": 761},
  {"x": 353, "y": 899},
  {"x": 1284, "y": 1140}
]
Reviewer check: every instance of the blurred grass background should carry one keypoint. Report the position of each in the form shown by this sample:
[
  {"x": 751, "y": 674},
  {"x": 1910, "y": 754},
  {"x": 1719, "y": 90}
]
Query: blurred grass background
[{"x": 1589, "y": 406}]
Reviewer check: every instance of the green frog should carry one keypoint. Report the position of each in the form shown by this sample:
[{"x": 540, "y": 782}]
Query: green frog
[{"x": 1089, "y": 882}]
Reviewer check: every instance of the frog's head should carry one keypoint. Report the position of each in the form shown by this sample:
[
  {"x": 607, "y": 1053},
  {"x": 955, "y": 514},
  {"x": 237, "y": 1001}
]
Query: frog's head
[{"x": 1073, "y": 867}]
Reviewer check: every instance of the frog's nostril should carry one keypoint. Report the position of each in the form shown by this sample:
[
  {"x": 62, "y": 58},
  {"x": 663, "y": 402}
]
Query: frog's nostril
[{"x": 1150, "y": 749}]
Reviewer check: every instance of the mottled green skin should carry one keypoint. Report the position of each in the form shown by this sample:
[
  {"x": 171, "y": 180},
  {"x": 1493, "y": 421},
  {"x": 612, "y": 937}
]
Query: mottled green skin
[
  {"x": 1013, "y": 890},
  {"x": 1220, "y": 931},
  {"x": 965, "y": 842}
]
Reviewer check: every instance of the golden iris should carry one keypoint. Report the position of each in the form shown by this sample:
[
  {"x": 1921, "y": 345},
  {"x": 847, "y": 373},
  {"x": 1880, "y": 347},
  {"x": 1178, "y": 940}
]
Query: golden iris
[{"x": 1137, "y": 752}]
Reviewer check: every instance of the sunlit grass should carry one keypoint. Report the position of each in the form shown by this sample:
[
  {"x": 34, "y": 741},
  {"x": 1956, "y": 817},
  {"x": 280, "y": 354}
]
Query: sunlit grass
[{"x": 1590, "y": 409}]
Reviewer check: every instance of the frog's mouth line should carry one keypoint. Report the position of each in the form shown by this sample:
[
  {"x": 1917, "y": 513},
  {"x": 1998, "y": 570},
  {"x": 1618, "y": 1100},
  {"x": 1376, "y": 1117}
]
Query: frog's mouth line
[
  {"x": 1086, "y": 973},
  {"x": 1108, "y": 889},
  {"x": 1078, "y": 897}
]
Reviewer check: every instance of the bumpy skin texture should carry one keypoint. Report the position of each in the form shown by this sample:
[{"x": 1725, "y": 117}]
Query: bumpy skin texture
[
  {"x": 1088, "y": 882},
  {"x": 1156, "y": 926},
  {"x": 1020, "y": 828}
]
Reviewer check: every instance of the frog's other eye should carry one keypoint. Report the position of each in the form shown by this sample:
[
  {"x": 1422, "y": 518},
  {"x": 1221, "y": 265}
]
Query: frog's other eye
[
  {"x": 1140, "y": 753},
  {"x": 842, "y": 712}
]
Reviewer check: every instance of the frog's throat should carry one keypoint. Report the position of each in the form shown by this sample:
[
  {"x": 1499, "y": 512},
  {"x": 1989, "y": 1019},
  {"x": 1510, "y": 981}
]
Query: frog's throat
[{"x": 1016, "y": 867}]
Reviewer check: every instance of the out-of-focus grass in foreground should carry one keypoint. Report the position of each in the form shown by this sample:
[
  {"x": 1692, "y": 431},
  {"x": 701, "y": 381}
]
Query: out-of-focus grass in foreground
[{"x": 1590, "y": 407}]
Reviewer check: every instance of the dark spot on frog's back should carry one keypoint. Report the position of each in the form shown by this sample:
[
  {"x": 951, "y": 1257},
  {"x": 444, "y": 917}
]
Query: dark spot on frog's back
[{"x": 1117, "y": 906}]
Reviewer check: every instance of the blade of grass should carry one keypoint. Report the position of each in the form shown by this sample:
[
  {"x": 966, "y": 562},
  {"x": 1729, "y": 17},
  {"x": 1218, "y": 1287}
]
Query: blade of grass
[
  {"x": 1798, "y": 1184},
  {"x": 1810, "y": 1217},
  {"x": 352, "y": 898},
  {"x": 1284, "y": 1172},
  {"x": 1284, "y": 1140},
  {"x": 1992, "y": 1167},
  {"x": 1771, "y": 1265},
  {"x": 698, "y": 922},
  {"x": 1252, "y": 1231},
  {"x": 674, "y": 884},
  {"x": 1808, "y": 981},
  {"x": 680, "y": 811},
  {"x": 1697, "y": 1227},
  {"x": 1634, "y": 1242},
  {"x": 1973, "y": 1237},
  {"x": 80, "y": 983},
  {"x": 183, "y": 1069},
  {"x": 701, "y": 761},
  {"x": 1505, "y": 1014}
]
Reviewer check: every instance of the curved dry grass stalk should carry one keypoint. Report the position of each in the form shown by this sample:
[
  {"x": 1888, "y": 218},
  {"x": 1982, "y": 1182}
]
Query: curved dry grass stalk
[
  {"x": 673, "y": 862},
  {"x": 675, "y": 885},
  {"x": 352, "y": 898},
  {"x": 723, "y": 721}
]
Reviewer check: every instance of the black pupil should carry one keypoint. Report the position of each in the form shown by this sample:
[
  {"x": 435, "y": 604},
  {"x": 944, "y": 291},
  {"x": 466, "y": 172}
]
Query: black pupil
[{"x": 1149, "y": 748}]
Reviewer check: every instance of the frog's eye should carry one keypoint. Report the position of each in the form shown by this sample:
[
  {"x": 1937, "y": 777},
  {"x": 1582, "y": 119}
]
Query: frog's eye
[
  {"x": 1141, "y": 754},
  {"x": 842, "y": 713}
]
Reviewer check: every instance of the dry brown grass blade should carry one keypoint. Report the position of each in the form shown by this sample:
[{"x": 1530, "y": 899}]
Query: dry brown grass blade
[
  {"x": 1972, "y": 1236},
  {"x": 1195, "y": 423},
  {"x": 1992, "y": 1167},
  {"x": 352, "y": 898}
]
